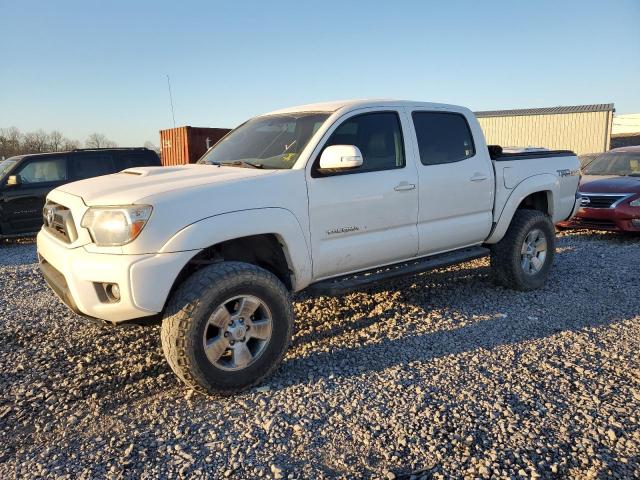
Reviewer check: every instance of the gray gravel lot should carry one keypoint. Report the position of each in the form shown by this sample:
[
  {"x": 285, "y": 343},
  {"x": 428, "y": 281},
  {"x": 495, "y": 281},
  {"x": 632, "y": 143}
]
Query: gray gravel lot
[{"x": 442, "y": 373}]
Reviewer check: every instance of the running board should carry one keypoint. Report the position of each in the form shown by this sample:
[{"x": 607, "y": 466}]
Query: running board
[{"x": 339, "y": 285}]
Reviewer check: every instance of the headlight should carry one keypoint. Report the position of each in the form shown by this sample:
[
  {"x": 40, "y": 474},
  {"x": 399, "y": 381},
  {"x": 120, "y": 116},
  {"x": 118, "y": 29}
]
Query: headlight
[
  {"x": 111, "y": 226},
  {"x": 635, "y": 203}
]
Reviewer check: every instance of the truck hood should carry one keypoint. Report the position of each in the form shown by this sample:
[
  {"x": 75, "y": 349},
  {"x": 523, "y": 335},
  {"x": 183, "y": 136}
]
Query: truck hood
[
  {"x": 134, "y": 184},
  {"x": 609, "y": 184}
]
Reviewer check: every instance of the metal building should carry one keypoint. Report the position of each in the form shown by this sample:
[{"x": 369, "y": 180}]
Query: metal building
[
  {"x": 581, "y": 128},
  {"x": 626, "y": 130}
]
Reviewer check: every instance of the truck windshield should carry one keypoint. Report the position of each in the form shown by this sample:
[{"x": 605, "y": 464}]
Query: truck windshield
[
  {"x": 273, "y": 142},
  {"x": 5, "y": 166},
  {"x": 614, "y": 164}
]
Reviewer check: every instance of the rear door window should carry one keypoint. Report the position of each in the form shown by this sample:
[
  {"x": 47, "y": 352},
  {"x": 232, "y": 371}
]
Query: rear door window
[
  {"x": 88, "y": 165},
  {"x": 443, "y": 137},
  {"x": 43, "y": 170}
]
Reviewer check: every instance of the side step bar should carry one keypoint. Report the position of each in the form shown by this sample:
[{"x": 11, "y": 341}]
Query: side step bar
[{"x": 339, "y": 285}]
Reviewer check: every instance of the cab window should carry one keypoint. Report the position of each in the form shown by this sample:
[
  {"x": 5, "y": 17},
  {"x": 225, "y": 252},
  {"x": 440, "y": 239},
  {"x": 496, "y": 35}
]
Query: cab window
[
  {"x": 45, "y": 170},
  {"x": 92, "y": 165},
  {"x": 443, "y": 137},
  {"x": 130, "y": 160},
  {"x": 379, "y": 138}
]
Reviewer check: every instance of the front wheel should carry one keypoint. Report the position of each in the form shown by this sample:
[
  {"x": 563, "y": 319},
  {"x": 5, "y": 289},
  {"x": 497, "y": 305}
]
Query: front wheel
[
  {"x": 227, "y": 327},
  {"x": 522, "y": 259}
]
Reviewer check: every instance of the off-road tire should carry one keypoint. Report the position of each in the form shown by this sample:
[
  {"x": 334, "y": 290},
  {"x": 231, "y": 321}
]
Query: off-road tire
[
  {"x": 506, "y": 254},
  {"x": 192, "y": 304}
]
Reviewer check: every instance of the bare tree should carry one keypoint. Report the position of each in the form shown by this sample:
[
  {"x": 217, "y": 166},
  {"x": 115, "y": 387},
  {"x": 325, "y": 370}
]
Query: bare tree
[
  {"x": 10, "y": 142},
  {"x": 36, "y": 142},
  {"x": 98, "y": 140},
  {"x": 69, "y": 144},
  {"x": 56, "y": 141},
  {"x": 13, "y": 142}
]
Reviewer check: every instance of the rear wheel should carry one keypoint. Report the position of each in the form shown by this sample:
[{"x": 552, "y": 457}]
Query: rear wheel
[
  {"x": 522, "y": 259},
  {"x": 227, "y": 327}
]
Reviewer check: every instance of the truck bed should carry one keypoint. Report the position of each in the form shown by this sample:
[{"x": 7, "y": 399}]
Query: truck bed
[{"x": 511, "y": 169}]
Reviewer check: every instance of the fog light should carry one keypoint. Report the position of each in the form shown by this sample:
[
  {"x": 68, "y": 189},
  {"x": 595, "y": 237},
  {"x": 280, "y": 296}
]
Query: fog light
[{"x": 113, "y": 291}]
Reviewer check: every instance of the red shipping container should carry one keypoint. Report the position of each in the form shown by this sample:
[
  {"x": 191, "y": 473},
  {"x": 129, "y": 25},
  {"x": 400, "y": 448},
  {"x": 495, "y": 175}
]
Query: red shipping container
[{"x": 182, "y": 145}]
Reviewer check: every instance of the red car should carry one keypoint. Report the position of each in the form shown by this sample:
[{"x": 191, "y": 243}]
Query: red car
[{"x": 610, "y": 190}]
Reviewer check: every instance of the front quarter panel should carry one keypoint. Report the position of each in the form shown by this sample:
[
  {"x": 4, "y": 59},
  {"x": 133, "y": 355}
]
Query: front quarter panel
[
  {"x": 177, "y": 209},
  {"x": 227, "y": 226}
]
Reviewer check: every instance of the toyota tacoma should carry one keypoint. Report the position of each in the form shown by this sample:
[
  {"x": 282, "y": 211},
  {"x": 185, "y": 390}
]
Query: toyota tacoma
[{"x": 326, "y": 198}]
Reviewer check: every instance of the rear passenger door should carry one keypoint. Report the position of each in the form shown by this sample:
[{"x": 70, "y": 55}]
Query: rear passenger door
[
  {"x": 456, "y": 182},
  {"x": 365, "y": 217},
  {"x": 91, "y": 164}
]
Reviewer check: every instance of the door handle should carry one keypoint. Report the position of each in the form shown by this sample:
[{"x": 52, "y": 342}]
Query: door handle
[
  {"x": 402, "y": 186},
  {"x": 478, "y": 177}
]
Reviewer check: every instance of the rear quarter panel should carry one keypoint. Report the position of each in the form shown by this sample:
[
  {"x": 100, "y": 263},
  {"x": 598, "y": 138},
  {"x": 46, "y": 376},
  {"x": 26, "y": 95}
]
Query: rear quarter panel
[{"x": 557, "y": 176}]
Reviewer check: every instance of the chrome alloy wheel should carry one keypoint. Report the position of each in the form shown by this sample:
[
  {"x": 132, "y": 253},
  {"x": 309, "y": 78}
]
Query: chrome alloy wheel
[
  {"x": 237, "y": 332},
  {"x": 533, "y": 252}
]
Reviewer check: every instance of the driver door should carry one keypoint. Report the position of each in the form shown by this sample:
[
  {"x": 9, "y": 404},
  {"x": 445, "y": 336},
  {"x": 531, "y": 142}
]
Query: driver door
[{"x": 365, "y": 217}]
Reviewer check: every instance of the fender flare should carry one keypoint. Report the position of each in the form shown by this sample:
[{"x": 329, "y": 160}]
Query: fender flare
[
  {"x": 544, "y": 182},
  {"x": 242, "y": 223}
]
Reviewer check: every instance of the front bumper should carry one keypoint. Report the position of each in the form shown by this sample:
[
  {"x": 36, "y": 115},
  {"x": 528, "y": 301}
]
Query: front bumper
[
  {"x": 76, "y": 276},
  {"x": 621, "y": 219}
]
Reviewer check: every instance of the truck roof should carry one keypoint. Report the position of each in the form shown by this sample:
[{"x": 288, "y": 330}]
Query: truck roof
[{"x": 361, "y": 103}]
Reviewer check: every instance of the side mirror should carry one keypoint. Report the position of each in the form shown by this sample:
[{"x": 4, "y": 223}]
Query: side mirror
[
  {"x": 340, "y": 157},
  {"x": 13, "y": 180}
]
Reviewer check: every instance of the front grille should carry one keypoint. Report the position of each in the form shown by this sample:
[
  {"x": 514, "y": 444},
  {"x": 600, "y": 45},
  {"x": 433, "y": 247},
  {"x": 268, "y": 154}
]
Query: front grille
[
  {"x": 593, "y": 223},
  {"x": 58, "y": 220},
  {"x": 599, "y": 200}
]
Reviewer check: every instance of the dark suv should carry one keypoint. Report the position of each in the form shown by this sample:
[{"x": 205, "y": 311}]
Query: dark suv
[{"x": 25, "y": 180}]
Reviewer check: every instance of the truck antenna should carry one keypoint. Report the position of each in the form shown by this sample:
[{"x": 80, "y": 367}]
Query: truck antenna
[{"x": 173, "y": 115}]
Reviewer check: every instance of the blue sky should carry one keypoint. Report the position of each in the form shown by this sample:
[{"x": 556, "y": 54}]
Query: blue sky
[{"x": 100, "y": 66}]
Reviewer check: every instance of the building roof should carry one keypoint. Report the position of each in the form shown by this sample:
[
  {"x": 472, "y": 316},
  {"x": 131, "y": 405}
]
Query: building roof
[{"x": 599, "y": 107}]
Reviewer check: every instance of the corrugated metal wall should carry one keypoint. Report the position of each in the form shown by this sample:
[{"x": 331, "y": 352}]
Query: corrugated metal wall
[
  {"x": 584, "y": 132},
  {"x": 173, "y": 146},
  {"x": 182, "y": 145}
]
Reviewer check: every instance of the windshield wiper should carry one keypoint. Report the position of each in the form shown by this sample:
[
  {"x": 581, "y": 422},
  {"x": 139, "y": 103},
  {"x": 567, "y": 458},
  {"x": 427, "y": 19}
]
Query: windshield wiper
[{"x": 239, "y": 163}]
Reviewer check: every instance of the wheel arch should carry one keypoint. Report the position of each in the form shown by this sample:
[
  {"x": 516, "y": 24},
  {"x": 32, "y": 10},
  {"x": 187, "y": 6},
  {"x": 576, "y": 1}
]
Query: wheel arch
[
  {"x": 536, "y": 193},
  {"x": 271, "y": 238}
]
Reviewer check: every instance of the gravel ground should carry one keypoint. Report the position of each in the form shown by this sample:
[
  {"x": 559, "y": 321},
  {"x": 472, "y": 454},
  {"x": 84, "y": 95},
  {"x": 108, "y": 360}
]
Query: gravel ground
[{"x": 443, "y": 375}]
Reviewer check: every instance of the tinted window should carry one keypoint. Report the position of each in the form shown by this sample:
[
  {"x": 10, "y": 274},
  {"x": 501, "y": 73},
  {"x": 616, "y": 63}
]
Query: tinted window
[
  {"x": 89, "y": 165},
  {"x": 44, "y": 170},
  {"x": 377, "y": 135},
  {"x": 130, "y": 160},
  {"x": 442, "y": 137}
]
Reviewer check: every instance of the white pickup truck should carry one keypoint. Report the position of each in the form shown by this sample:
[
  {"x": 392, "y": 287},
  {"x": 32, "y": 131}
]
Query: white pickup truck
[{"x": 326, "y": 197}]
